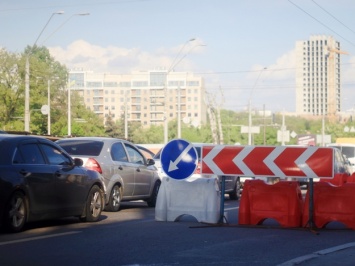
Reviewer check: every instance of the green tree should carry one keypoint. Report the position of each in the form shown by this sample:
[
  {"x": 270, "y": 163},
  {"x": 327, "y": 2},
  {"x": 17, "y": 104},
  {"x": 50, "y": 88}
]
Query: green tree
[
  {"x": 11, "y": 91},
  {"x": 111, "y": 127},
  {"x": 44, "y": 68}
]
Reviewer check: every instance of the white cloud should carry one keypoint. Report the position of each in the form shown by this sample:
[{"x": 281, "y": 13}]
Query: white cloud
[{"x": 81, "y": 54}]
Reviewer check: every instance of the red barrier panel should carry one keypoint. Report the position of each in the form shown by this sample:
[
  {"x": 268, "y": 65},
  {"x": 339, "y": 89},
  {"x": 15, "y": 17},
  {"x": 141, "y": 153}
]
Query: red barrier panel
[
  {"x": 331, "y": 203},
  {"x": 281, "y": 201},
  {"x": 351, "y": 179},
  {"x": 338, "y": 180}
]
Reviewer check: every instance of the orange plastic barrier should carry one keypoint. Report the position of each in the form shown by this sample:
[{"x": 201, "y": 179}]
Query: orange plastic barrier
[
  {"x": 338, "y": 180},
  {"x": 331, "y": 203},
  {"x": 281, "y": 201}
]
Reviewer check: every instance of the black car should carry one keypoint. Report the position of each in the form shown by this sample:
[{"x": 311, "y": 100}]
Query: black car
[{"x": 39, "y": 180}]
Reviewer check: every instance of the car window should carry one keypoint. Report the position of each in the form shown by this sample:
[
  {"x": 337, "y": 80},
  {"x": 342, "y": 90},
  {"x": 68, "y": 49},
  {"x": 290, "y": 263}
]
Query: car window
[
  {"x": 55, "y": 156},
  {"x": 157, "y": 155},
  {"x": 339, "y": 164},
  {"x": 82, "y": 147},
  {"x": 28, "y": 154},
  {"x": 198, "y": 150},
  {"x": 134, "y": 155},
  {"x": 118, "y": 153}
]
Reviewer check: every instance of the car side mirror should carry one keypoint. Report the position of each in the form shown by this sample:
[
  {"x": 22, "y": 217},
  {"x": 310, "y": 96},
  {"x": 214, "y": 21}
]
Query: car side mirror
[
  {"x": 78, "y": 162},
  {"x": 150, "y": 162}
]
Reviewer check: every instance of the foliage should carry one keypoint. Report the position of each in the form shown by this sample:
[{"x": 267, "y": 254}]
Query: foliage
[
  {"x": 11, "y": 91},
  {"x": 45, "y": 73}
]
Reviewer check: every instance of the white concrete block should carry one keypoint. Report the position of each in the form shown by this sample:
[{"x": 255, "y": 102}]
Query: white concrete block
[{"x": 198, "y": 197}]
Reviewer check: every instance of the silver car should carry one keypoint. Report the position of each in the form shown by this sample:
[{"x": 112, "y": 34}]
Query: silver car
[{"x": 128, "y": 175}]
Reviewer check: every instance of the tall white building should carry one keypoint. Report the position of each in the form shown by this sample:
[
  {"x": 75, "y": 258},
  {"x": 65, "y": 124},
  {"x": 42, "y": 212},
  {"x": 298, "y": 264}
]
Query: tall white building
[
  {"x": 318, "y": 90},
  {"x": 147, "y": 97}
]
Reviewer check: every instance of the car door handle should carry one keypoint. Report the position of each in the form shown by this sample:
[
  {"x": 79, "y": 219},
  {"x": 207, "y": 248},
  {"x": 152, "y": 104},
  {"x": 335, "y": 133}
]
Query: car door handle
[
  {"x": 24, "y": 172},
  {"x": 138, "y": 169},
  {"x": 120, "y": 167},
  {"x": 57, "y": 173}
]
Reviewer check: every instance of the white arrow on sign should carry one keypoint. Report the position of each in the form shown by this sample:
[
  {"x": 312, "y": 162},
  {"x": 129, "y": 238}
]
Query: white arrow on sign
[
  {"x": 209, "y": 160},
  {"x": 173, "y": 165},
  {"x": 301, "y": 161},
  {"x": 238, "y": 160},
  {"x": 270, "y": 161}
]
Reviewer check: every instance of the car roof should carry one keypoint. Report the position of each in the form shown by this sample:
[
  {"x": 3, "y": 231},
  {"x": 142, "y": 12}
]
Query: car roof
[
  {"x": 20, "y": 137},
  {"x": 103, "y": 139},
  {"x": 8, "y": 142}
]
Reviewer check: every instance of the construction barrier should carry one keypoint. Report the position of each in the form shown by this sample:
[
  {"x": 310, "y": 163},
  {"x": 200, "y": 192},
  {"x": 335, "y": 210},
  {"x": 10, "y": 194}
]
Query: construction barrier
[
  {"x": 351, "y": 179},
  {"x": 338, "y": 180},
  {"x": 198, "y": 197},
  {"x": 331, "y": 203},
  {"x": 281, "y": 201}
]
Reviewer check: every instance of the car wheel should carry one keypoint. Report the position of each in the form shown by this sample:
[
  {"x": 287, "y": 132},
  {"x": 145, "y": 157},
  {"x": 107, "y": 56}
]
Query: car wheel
[
  {"x": 94, "y": 205},
  {"x": 114, "y": 201},
  {"x": 235, "y": 194},
  {"x": 16, "y": 214},
  {"x": 153, "y": 198}
]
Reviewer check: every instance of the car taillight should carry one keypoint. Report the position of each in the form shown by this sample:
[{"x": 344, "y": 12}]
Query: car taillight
[
  {"x": 198, "y": 168},
  {"x": 92, "y": 164}
]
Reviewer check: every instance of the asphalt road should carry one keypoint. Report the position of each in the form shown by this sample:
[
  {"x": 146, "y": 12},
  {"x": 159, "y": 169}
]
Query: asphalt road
[{"x": 133, "y": 237}]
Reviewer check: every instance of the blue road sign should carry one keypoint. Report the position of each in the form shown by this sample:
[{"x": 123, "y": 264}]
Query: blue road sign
[{"x": 179, "y": 159}]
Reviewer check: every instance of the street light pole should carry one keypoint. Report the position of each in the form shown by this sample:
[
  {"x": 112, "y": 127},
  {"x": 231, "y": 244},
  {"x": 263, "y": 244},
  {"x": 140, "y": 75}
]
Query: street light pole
[
  {"x": 249, "y": 107},
  {"x": 173, "y": 64},
  {"x": 79, "y": 14},
  {"x": 27, "y": 75},
  {"x": 49, "y": 108},
  {"x": 69, "y": 110},
  {"x": 126, "y": 114},
  {"x": 179, "y": 92}
]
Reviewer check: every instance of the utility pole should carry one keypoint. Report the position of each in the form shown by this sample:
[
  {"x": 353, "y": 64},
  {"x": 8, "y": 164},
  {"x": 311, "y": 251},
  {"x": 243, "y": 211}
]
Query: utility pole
[
  {"x": 219, "y": 121},
  {"x": 212, "y": 116}
]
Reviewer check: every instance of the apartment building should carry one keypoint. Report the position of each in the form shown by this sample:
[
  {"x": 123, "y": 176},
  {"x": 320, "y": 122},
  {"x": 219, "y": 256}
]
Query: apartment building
[
  {"x": 318, "y": 90},
  {"x": 148, "y": 97}
]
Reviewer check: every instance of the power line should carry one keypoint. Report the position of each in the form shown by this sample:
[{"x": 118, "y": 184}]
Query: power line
[
  {"x": 333, "y": 16},
  {"x": 322, "y": 23},
  {"x": 73, "y": 5}
]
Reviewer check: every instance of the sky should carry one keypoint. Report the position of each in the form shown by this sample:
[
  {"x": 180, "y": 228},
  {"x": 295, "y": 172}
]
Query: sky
[{"x": 244, "y": 50}]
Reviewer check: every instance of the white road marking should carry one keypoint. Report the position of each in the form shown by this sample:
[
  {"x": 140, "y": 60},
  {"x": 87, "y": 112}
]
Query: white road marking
[
  {"x": 37, "y": 238},
  {"x": 316, "y": 254}
]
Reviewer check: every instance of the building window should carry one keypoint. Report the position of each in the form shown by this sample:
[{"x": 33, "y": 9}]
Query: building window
[
  {"x": 94, "y": 84},
  {"x": 140, "y": 83},
  {"x": 110, "y": 84},
  {"x": 157, "y": 78},
  {"x": 125, "y": 84},
  {"x": 193, "y": 83}
]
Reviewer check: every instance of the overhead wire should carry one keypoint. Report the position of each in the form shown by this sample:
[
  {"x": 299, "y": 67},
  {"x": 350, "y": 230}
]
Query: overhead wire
[
  {"x": 322, "y": 23},
  {"x": 333, "y": 16},
  {"x": 73, "y": 5}
]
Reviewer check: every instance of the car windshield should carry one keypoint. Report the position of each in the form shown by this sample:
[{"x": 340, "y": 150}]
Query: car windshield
[{"x": 82, "y": 147}]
